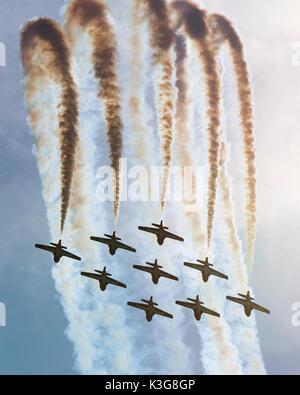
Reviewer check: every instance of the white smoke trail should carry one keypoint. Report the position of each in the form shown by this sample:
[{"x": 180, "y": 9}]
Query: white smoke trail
[
  {"x": 240, "y": 331},
  {"x": 162, "y": 340},
  {"x": 230, "y": 249},
  {"x": 140, "y": 138},
  {"x": 225, "y": 358},
  {"x": 110, "y": 337},
  {"x": 253, "y": 352},
  {"x": 214, "y": 332},
  {"x": 95, "y": 327},
  {"x": 244, "y": 330}
]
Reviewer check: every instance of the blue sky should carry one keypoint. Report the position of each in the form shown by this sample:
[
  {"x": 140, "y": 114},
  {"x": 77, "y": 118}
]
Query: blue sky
[{"x": 34, "y": 340}]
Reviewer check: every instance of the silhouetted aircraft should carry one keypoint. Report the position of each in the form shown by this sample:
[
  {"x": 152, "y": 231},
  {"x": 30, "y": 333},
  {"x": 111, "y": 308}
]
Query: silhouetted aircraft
[
  {"x": 58, "y": 251},
  {"x": 246, "y": 301},
  {"x": 160, "y": 232},
  {"x": 113, "y": 243},
  {"x": 149, "y": 308},
  {"x": 104, "y": 279},
  {"x": 205, "y": 269},
  {"x": 155, "y": 271},
  {"x": 197, "y": 307}
]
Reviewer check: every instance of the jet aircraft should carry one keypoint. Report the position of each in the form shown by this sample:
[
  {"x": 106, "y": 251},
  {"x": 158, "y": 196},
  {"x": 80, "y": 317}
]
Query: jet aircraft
[
  {"x": 246, "y": 301},
  {"x": 149, "y": 308},
  {"x": 113, "y": 243},
  {"x": 155, "y": 271},
  {"x": 161, "y": 232},
  {"x": 196, "y": 305},
  {"x": 205, "y": 268},
  {"x": 104, "y": 279},
  {"x": 58, "y": 251}
]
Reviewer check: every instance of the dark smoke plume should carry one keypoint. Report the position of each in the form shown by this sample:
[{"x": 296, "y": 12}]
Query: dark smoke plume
[
  {"x": 246, "y": 113},
  {"x": 194, "y": 23},
  {"x": 92, "y": 16},
  {"x": 49, "y": 36},
  {"x": 161, "y": 42}
]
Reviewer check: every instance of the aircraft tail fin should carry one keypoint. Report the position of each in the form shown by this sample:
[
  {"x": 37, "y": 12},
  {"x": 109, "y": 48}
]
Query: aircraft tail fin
[
  {"x": 154, "y": 264},
  {"x": 103, "y": 271},
  {"x": 113, "y": 236},
  {"x": 58, "y": 245},
  {"x": 149, "y": 301},
  {"x": 206, "y": 263},
  {"x": 246, "y": 296},
  {"x": 197, "y": 300},
  {"x": 161, "y": 225},
  {"x": 157, "y": 225}
]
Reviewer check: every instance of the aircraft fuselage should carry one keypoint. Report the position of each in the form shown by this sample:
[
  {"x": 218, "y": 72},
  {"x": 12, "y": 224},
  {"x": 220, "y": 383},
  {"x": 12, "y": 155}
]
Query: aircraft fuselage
[
  {"x": 197, "y": 313},
  {"x": 248, "y": 308},
  {"x": 155, "y": 277},
  {"x": 205, "y": 275},
  {"x": 56, "y": 256},
  {"x": 160, "y": 239},
  {"x": 112, "y": 249},
  {"x": 149, "y": 315},
  {"x": 103, "y": 284}
]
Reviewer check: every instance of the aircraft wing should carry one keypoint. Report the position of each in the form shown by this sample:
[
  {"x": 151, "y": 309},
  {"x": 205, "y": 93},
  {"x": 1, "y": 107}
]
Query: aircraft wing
[
  {"x": 124, "y": 247},
  {"x": 167, "y": 275},
  {"x": 236, "y": 300},
  {"x": 194, "y": 266},
  {"x": 172, "y": 236},
  {"x": 144, "y": 268},
  {"x": 161, "y": 312},
  {"x": 101, "y": 240},
  {"x": 46, "y": 248},
  {"x": 218, "y": 274},
  {"x": 208, "y": 311},
  {"x": 150, "y": 230},
  {"x": 115, "y": 282},
  {"x": 92, "y": 275},
  {"x": 70, "y": 255},
  {"x": 260, "y": 308},
  {"x": 138, "y": 305},
  {"x": 186, "y": 304}
]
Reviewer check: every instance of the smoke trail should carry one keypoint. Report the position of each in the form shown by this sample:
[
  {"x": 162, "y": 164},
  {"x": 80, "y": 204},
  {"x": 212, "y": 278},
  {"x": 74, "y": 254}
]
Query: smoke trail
[
  {"x": 161, "y": 42},
  {"x": 218, "y": 334},
  {"x": 229, "y": 219},
  {"x": 168, "y": 352},
  {"x": 230, "y": 36},
  {"x": 244, "y": 333},
  {"x": 218, "y": 354},
  {"x": 99, "y": 328},
  {"x": 137, "y": 83},
  {"x": 93, "y": 323},
  {"x": 182, "y": 139},
  {"x": 182, "y": 132},
  {"x": 92, "y": 16},
  {"x": 56, "y": 50},
  {"x": 195, "y": 27}
]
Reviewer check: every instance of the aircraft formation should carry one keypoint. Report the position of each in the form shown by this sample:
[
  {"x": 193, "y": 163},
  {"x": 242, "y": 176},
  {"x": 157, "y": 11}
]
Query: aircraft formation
[{"x": 155, "y": 270}]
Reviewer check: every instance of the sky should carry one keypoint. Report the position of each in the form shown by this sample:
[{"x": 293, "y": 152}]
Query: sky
[{"x": 33, "y": 342}]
